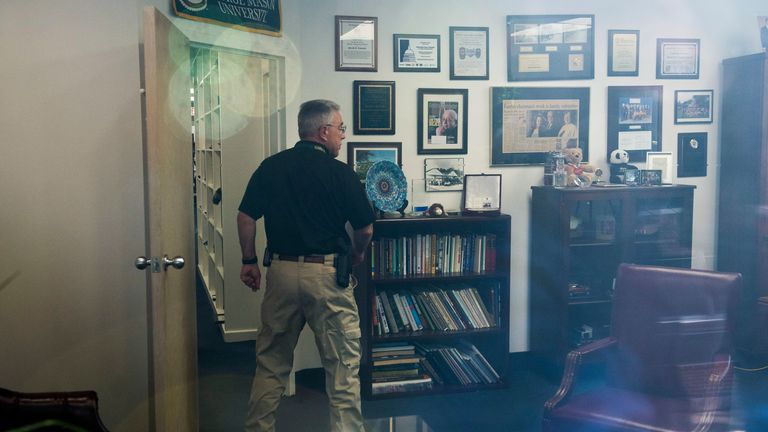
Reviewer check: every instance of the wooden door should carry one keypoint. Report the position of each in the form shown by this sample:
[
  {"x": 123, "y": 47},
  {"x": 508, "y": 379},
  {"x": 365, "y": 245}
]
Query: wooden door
[{"x": 171, "y": 291}]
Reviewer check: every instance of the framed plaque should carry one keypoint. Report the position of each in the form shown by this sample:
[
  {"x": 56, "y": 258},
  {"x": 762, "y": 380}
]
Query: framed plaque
[
  {"x": 482, "y": 194},
  {"x": 634, "y": 120},
  {"x": 374, "y": 107},
  {"x": 692, "y": 154},
  {"x": 529, "y": 122},
  {"x": 356, "y": 43},
  {"x": 623, "y": 52},
  {"x": 416, "y": 53},
  {"x": 677, "y": 58},
  {"x": 442, "y": 121},
  {"x": 469, "y": 53},
  {"x": 550, "y": 47}
]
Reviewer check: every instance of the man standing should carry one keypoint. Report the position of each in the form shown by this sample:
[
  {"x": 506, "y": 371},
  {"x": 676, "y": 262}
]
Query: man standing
[{"x": 306, "y": 197}]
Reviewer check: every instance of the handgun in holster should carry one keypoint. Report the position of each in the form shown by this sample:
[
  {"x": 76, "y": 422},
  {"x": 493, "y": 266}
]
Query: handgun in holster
[
  {"x": 343, "y": 265},
  {"x": 267, "y": 260}
]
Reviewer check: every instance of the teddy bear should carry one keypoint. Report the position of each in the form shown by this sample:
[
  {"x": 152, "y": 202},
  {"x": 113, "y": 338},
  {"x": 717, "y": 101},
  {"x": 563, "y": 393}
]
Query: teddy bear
[
  {"x": 578, "y": 173},
  {"x": 619, "y": 165}
]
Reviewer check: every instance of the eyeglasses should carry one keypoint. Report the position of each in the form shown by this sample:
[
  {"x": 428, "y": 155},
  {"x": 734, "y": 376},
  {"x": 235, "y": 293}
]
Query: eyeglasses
[{"x": 342, "y": 127}]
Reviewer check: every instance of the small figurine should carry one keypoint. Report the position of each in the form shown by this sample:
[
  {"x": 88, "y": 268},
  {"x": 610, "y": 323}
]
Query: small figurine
[
  {"x": 578, "y": 173},
  {"x": 619, "y": 165}
]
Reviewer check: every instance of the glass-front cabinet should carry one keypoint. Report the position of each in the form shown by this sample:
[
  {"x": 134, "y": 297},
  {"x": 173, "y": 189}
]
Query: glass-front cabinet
[{"x": 579, "y": 236}]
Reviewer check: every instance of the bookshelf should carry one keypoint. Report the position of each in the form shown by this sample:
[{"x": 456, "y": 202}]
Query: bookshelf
[
  {"x": 433, "y": 298},
  {"x": 578, "y": 239}
]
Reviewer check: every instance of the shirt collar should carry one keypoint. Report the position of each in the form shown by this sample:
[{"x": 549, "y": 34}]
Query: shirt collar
[{"x": 312, "y": 145}]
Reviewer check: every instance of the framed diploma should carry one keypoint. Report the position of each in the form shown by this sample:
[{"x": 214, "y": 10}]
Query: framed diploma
[
  {"x": 550, "y": 47},
  {"x": 623, "y": 52},
  {"x": 634, "y": 120},
  {"x": 529, "y": 122},
  {"x": 356, "y": 44},
  {"x": 677, "y": 58},
  {"x": 374, "y": 107},
  {"x": 416, "y": 53},
  {"x": 469, "y": 53}
]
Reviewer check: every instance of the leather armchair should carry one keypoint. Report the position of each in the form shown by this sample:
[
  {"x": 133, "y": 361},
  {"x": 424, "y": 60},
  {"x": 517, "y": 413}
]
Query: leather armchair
[
  {"x": 77, "y": 410},
  {"x": 667, "y": 359}
]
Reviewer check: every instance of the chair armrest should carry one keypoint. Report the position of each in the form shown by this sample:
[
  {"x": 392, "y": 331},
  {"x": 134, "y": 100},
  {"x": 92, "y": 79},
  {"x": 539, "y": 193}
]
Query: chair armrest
[{"x": 590, "y": 353}]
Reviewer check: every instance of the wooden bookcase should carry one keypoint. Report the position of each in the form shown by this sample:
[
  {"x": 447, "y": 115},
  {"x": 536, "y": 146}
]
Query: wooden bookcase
[
  {"x": 579, "y": 237},
  {"x": 491, "y": 285}
]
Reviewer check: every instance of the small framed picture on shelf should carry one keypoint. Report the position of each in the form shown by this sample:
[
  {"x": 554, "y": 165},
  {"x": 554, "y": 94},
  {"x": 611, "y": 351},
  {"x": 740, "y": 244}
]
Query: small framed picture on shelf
[
  {"x": 442, "y": 122},
  {"x": 469, "y": 53},
  {"x": 416, "y": 53},
  {"x": 374, "y": 107},
  {"x": 482, "y": 194},
  {"x": 634, "y": 120},
  {"x": 444, "y": 174},
  {"x": 661, "y": 161},
  {"x": 356, "y": 43},
  {"x": 677, "y": 58},
  {"x": 693, "y": 106},
  {"x": 623, "y": 52},
  {"x": 362, "y": 155}
]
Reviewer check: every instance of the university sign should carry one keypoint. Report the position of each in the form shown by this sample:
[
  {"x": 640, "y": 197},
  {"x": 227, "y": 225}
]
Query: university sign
[{"x": 260, "y": 16}]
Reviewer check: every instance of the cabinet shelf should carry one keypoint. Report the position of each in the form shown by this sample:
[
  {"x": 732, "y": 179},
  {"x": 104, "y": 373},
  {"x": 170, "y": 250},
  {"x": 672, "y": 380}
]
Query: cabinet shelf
[
  {"x": 568, "y": 254},
  {"x": 439, "y": 300}
]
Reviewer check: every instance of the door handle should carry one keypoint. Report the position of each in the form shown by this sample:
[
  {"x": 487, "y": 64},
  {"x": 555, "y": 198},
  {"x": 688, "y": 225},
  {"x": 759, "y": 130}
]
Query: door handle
[
  {"x": 176, "y": 262},
  {"x": 142, "y": 263}
]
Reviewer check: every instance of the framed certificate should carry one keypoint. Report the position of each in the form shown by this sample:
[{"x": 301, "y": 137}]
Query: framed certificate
[
  {"x": 416, "y": 53},
  {"x": 623, "y": 52},
  {"x": 374, "y": 107},
  {"x": 356, "y": 44},
  {"x": 469, "y": 53},
  {"x": 677, "y": 58},
  {"x": 550, "y": 47}
]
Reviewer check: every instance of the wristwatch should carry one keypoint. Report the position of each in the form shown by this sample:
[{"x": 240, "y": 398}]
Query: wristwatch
[{"x": 253, "y": 260}]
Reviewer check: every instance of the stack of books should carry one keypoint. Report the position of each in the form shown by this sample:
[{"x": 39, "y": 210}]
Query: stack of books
[
  {"x": 460, "y": 363},
  {"x": 446, "y": 308},
  {"x": 397, "y": 368}
]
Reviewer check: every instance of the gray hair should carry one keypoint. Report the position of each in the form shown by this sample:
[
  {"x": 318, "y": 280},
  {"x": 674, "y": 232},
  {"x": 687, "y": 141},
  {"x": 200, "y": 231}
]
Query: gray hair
[{"x": 315, "y": 114}]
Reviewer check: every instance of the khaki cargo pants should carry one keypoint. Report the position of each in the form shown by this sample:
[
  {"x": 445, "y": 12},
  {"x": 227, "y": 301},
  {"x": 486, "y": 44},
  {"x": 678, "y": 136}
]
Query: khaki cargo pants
[{"x": 299, "y": 293}]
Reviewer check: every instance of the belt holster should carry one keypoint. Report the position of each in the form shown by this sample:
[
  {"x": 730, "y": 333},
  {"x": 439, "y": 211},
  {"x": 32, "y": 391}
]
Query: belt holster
[{"x": 343, "y": 266}]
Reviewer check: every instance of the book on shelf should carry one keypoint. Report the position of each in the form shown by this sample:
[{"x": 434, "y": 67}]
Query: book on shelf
[
  {"x": 385, "y": 361},
  {"x": 460, "y": 363},
  {"x": 406, "y": 385}
]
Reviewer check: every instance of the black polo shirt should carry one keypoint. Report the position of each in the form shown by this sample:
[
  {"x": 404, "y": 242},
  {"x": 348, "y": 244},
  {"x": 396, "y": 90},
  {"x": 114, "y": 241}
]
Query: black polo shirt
[{"x": 306, "y": 197}]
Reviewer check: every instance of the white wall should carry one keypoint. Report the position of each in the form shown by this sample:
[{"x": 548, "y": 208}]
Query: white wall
[{"x": 725, "y": 30}]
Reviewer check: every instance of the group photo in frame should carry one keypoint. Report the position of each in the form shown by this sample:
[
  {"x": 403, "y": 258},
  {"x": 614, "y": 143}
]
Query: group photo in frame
[
  {"x": 356, "y": 44},
  {"x": 443, "y": 174},
  {"x": 550, "y": 47},
  {"x": 469, "y": 53},
  {"x": 529, "y": 122},
  {"x": 634, "y": 120},
  {"x": 677, "y": 58},
  {"x": 693, "y": 106},
  {"x": 416, "y": 53},
  {"x": 373, "y": 104},
  {"x": 442, "y": 121},
  {"x": 362, "y": 155},
  {"x": 623, "y": 52}
]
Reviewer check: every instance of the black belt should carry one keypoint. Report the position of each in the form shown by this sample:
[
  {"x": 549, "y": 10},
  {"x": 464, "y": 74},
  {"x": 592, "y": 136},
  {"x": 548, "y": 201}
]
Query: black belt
[{"x": 317, "y": 259}]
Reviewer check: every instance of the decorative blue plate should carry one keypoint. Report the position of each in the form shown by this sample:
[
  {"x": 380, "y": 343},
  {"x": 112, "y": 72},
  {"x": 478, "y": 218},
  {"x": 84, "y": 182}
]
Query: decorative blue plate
[{"x": 386, "y": 186}]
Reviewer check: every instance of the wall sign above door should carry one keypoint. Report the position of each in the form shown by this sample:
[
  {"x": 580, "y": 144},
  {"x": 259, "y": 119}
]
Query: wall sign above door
[{"x": 258, "y": 16}]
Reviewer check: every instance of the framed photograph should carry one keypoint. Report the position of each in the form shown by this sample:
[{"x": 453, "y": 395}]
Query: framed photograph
[
  {"x": 469, "y": 53},
  {"x": 482, "y": 194},
  {"x": 692, "y": 154},
  {"x": 356, "y": 43},
  {"x": 442, "y": 123},
  {"x": 362, "y": 155},
  {"x": 374, "y": 107},
  {"x": 693, "y": 106},
  {"x": 634, "y": 120},
  {"x": 650, "y": 177},
  {"x": 529, "y": 122},
  {"x": 550, "y": 47},
  {"x": 623, "y": 52},
  {"x": 443, "y": 174},
  {"x": 677, "y": 58},
  {"x": 661, "y": 161},
  {"x": 416, "y": 53}
]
